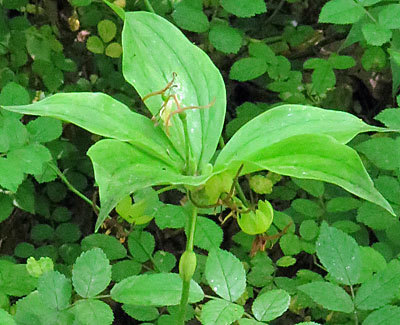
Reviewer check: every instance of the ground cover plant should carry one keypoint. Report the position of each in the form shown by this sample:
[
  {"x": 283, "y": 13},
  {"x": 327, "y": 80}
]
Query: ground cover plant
[{"x": 308, "y": 237}]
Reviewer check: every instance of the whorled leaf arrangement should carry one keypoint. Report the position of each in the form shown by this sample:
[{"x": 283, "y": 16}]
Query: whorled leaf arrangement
[{"x": 294, "y": 140}]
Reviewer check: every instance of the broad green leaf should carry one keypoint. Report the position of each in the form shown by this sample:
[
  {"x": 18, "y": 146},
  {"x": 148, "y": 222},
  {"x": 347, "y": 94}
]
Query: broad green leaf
[
  {"x": 309, "y": 229},
  {"x": 309, "y": 208},
  {"x": 371, "y": 262},
  {"x": 114, "y": 50},
  {"x": 285, "y": 121},
  {"x": 313, "y": 187},
  {"x": 15, "y": 279},
  {"x": 109, "y": 244},
  {"x": 107, "y": 30},
  {"x": 161, "y": 289},
  {"x": 121, "y": 169},
  {"x": 390, "y": 117},
  {"x": 190, "y": 17},
  {"x": 244, "y": 8},
  {"x": 376, "y": 34},
  {"x": 340, "y": 254},
  {"x": 341, "y": 62},
  {"x": 95, "y": 45},
  {"x": 124, "y": 269},
  {"x": 171, "y": 216},
  {"x": 379, "y": 290},
  {"x": 44, "y": 129},
  {"x": 55, "y": 290},
  {"x": 307, "y": 156},
  {"x": 341, "y": 12},
  {"x": 262, "y": 51},
  {"x": 93, "y": 311},
  {"x": 164, "y": 261},
  {"x": 30, "y": 158},
  {"x": 141, "y": 313},
  {"x": 225, "y": 274},
  {"x": 208, "y": 235},
  {"x": 389, "y": 187},
  {"x": 270, "y": 305},
  {"x": 323, "y": 78},
  {"x": 25, "y": 196},
  {"x": 336, "y": 300},
  {"x": 11, "y": 176},
  {"x": 6, "y": 206},
  {"x": 290, "y": 244},
  {"x": 91, "y": 273},
  {"x": 14, "y": 94},
  {"x": 24, "y": 250},
  {"x": 141, "y": 245},
  {"x": 389, "y": 16},
  {"x": 387, "y": 315},
  {"x": 225, "y": 38},
  {"x": 103, "y": 115},
  {"x": 374, "y": 216},
  {"x": 6, "y": 318},
  {"x": 342, "y": 204},
  {"x": 154, "y": 49},
  {"x": 286, "y": 261},
  {"x": 248, "y": 69},
  {"x": 31, "y": 310},
  {"x": 382, "y": 152},
  {"x": 220, "y": 312}
]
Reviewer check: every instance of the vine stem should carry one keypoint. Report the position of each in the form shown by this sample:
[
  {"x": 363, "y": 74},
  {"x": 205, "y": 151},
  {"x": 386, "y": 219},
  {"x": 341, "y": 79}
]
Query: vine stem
[
  {"x": 186, "y": 283},
  {"x": 71, "y": 187}
]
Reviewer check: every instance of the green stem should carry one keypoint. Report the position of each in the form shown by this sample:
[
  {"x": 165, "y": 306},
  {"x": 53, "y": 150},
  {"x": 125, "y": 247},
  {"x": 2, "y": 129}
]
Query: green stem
[
  {"x": 149, "y": 6},
  {"x": 355, "y": 310},
  {"x": 71, "y": 187},
  {"x": 186, "y": 283},
  {"x": 165, "y": 189}
]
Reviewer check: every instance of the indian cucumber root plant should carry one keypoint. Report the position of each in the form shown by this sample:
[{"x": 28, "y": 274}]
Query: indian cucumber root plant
[{"x": 180, "y": 148}]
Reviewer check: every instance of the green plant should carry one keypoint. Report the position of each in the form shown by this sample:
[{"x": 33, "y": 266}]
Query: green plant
[{"x": 299, "y": 141}]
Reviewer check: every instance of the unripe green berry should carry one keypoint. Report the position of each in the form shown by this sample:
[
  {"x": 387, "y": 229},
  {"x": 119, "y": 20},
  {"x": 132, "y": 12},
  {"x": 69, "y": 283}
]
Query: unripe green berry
[{"x": 187, "y": 265}]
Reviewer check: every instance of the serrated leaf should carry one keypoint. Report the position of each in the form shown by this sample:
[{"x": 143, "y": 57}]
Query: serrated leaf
[
  {"x": 376, "y": 34},
  {"x": 141, "y": 245},
  {"x": 309, "y": 208},
  {"x": 374, "y": 216},
  {"x": 15, "y": 279},
  {"x": 390, "y": 117},
  {"x": 380, "y": 289},
  {"x": 91, "y": 273},
  {"x": 14, "y": 94},
  {"x": 225, "y": 39},
  {"x": 323, "y": 78},
  {"x": 387, "y": 315},
  {"x": 30, "y": 158},
  {"x": 248, "y": 69},
  {"x": 383, "y": 152},
  {"x": 336, "y": 300},
  {"x": 171, "y": 216},
  {"x": 340, "y": 254},
  {"x": 389, "y": 16},
  {"x": 55, "y": 290},
  {"x": 342, "y": 204},
  {"x": 270, "y": 305},
  {"x": 141, "y": 313},
  {"x": 225, "y": 274},
  {"x": 11, "y": 176},
  {"x": 244, "y": 8},
  {"x": 341, "y": 12},
  {"x": 44, "y": 129},
  {"x": 208, "y": 235},
  {"x": 341, "y": 62},
  {"x": 109, "y": 244},
  {"x": 93, "y": 311},
  {"x": 220, "y": 312},
  {"x": 124, "y": 269},
  {"x": 162, "y": 289},
  {"x": 313, "y": 187},
  {"x": 190, "y": 17},
  {"x": 6, "y": 318},
  {"x": 6, "y": 206}
]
